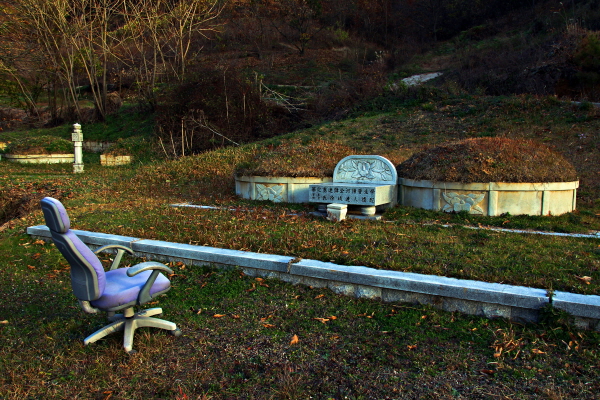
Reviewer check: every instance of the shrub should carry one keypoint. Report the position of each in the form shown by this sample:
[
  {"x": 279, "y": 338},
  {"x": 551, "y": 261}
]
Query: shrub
[
  {"x": 141, "y": 148},
  {"x": 587, "y": 61},
  {"x": 489, "y": 160},
  {"x": 217, "y": 108},
  {"x": 40, "y": 145}
]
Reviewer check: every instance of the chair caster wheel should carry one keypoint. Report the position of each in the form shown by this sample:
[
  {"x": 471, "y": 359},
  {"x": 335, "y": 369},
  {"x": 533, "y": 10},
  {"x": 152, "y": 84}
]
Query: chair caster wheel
[{"x": 176, "y": 332}]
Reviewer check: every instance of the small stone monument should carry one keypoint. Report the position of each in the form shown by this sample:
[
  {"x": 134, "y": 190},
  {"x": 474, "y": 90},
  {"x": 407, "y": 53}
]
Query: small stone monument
[
  {"x": 367, "y": 181},
  {"x": 77, "y": 138}
]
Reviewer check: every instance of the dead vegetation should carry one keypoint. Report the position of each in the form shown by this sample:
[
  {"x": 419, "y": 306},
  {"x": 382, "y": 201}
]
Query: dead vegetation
[{"x": 489, "y": 160}]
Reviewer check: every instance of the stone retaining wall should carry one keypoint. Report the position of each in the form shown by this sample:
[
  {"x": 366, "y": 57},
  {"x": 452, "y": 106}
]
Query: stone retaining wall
[{"x": 492, "y": 300}]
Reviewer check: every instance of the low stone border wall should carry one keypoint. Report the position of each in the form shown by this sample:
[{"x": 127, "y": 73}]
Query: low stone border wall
[
  {"x": 277, "y": 189},
  {"x": 95, "y": 146},
  {"x": 492, "y": 300},
  {"x": 108, "y": 160},
  {"x": 41, "y": 158},
  {"x": 493, "y": 198}
]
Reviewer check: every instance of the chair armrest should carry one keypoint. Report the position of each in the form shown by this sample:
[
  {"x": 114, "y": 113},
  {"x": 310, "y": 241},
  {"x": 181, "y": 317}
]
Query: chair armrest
[
  {"x": 87, "y": 307},
  {"x": 156, "y": 268},
  {"x": 146, "y": 266},
  {"x": 120, "y": 251}
]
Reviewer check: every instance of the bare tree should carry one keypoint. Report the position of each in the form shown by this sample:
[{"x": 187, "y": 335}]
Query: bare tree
[
  {"x": 47, "y": 22},
  {"x": 21, "y": 66},
  {"x": 295, "y": 20},
  {"x": 81, "y": 40},
  {"x": 160, "y": 38}
]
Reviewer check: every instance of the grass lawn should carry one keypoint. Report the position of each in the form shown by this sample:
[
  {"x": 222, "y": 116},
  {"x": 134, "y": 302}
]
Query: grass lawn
[{"x": 249, "y": 338}]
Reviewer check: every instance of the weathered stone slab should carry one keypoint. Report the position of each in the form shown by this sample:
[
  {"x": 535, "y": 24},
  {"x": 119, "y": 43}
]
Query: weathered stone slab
[
  {"x": 485, "y": 292},
  {"x": 472, "y": 297},
  {"x": 352, "y": 193},
  {"x": 336, "y": 212},
  {"x": 92, "y": 239},
  {"x": 213, "y": 255},
  {"x": 578, "y": 305}
]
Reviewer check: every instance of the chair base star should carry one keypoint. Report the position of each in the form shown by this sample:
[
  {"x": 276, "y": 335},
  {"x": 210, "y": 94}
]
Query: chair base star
[{"x": 129, "y": 321}]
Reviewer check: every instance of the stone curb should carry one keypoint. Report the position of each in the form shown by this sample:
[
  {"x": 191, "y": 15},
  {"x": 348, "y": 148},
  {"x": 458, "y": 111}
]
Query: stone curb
[{"x": 491, "y": 300}]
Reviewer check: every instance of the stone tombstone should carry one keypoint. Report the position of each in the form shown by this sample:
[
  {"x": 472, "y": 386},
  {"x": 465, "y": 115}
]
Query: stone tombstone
[{"x": 367, "y": 181}]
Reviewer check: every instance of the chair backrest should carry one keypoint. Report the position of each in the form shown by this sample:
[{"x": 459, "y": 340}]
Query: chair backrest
[{"x": 87, "y": 274}]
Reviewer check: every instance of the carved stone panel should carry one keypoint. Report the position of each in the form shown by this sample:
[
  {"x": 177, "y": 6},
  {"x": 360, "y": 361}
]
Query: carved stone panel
[
  {"x": 365, "y": 169},
  {"x": 352, "y": 193},
  {"x": 463, "y": 202},
  {"x": 275, "y": 193}
]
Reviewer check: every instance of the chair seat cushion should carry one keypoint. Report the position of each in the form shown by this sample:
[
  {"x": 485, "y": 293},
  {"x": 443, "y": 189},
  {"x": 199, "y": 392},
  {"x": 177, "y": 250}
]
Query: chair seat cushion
[{"x": 121, "y": 289}]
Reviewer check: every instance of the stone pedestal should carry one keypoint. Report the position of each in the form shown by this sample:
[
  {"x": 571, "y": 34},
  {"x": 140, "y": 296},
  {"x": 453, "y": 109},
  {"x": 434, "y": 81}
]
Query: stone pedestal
[
  {"x": 336, "y": 212},
  {"x": 368, "y": 211},
  {"x": 77, "y": 138}
]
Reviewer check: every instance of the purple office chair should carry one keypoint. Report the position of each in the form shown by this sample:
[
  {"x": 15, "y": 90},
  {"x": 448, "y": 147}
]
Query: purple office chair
[{"x": 119, "y": 289}]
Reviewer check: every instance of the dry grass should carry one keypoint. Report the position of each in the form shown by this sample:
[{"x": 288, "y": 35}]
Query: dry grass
[
  {"x": 489, "y": 160},
  {"x": 295, "y": 158}
]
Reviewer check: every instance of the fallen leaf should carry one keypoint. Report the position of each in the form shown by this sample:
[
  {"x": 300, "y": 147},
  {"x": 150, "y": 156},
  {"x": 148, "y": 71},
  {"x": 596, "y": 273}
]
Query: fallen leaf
[
  {"x": 323, "y": 320},
  {"x": 235, "y": 316},
  {"x": 411, "y": 347},
  {"x": 537, "y": 351},
  {"x": 39, "y": 242},
  {"x": 585, "y": 279},
  {"x": 4, "y": 322},
  {"x": 333, "y": 317},
  {"x": 30, "y": 267},
  {"x": 487, "y": 371},
  {"x": 319, "y": 296},
  {"x": 294, "y": 340},
  {"x": 218, "y": 315},
  {"x": 268, "y": 326}
]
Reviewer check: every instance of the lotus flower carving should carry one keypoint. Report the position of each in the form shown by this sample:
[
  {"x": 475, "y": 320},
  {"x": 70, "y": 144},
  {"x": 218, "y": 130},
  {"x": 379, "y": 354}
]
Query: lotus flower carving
[
  {"x": 463, "y": 202},
  {"x": 365, "y": 170}
]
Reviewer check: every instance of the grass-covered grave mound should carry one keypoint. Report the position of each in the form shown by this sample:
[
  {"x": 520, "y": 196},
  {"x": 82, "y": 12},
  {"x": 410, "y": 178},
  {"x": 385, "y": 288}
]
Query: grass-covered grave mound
[
  {"x": 295, "y": 158},
  {"x": 489, "y": 159},
  {"x": 30, "y": 145}
]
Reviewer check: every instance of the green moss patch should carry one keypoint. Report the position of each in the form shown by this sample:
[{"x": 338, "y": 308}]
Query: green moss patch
[{"x": 489, "y": 160}]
